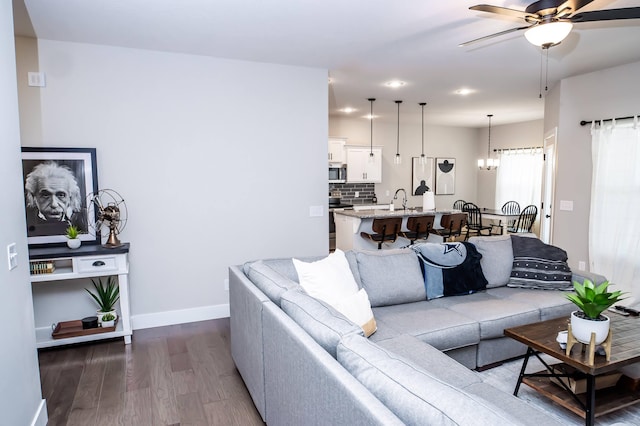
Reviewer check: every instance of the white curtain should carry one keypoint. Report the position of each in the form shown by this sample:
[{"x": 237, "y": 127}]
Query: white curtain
[
  {"x": 519, "y": 177},
  {"x": 614, "y": 225}
]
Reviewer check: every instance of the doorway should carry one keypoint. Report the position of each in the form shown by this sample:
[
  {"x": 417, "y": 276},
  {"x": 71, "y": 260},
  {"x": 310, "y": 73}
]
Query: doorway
[{"x": 548, "y": 185}]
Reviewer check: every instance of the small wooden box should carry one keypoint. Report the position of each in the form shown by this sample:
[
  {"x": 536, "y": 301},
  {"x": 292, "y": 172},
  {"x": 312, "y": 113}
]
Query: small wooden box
[{"x": 577, "y": 381}]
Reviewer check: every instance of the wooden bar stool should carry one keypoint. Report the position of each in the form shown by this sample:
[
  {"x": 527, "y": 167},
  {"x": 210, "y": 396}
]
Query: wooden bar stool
[
  {"x": 418, "y": 227},
  {"x": 386, "y": 229},
  {"x": 452, "y": 224}
]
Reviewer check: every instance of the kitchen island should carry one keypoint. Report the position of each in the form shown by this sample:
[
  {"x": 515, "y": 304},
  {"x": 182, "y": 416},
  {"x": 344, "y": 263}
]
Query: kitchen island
[{"x": 349, "y": 224}]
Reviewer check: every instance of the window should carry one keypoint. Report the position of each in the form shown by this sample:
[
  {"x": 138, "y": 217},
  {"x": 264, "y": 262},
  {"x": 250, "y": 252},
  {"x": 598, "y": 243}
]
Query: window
[{"x": 519, "y": 177}]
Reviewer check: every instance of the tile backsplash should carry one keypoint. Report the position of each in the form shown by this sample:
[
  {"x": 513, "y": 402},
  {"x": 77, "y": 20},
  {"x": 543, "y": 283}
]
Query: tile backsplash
[{"x": 348, "y": 191}]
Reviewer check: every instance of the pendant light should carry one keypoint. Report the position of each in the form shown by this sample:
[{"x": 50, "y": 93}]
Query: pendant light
[
  {"x": 371, "y": 156},
  {"x": 397, "y": 159},
  {"x": 491, "y": 163},
  {"x": 423, "y": 159}
]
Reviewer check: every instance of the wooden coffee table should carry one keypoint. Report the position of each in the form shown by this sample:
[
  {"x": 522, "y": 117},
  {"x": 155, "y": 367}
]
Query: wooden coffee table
[{"x": 540, "y": 337}]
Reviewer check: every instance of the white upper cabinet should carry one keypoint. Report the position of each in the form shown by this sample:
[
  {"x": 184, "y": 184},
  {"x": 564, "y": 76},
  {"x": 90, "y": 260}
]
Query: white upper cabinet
[
  {"x": 336, "y": 150},
  {"x": 360, "y": 168}
]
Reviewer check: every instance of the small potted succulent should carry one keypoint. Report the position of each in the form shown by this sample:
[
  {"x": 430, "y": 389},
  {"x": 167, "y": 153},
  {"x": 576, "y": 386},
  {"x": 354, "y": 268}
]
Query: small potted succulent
[
  {"x": 106, "y": 296},
  {"x": 108, "y": 320},
  {"x": 72, "y": 232},
  {"x": 592, "y": 301}
]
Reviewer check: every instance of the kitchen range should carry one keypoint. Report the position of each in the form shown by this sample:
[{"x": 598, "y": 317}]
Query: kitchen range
[{"x": 335, "y": 202}]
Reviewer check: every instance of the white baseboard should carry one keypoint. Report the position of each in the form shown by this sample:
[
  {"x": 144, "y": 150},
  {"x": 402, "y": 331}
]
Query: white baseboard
[
  {"x": 181, "y": 316},
  {"x": 41, "y": 418}
]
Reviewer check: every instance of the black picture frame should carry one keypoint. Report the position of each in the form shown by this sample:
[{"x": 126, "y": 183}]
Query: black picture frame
[
  {"x": 48, "y": 214},
  {"x": 445, "y": 176},
  {"x": 419, "y": 173}
]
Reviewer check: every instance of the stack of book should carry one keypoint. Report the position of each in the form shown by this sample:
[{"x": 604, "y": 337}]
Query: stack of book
[{"x": 39, "y": 267}]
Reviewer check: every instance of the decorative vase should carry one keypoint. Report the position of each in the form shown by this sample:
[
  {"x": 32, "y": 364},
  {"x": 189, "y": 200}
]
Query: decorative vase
[
  {"x": 99, "y": 314},
  {"x": 582, "y": 328},
  {"x": 73, "y": 243}
]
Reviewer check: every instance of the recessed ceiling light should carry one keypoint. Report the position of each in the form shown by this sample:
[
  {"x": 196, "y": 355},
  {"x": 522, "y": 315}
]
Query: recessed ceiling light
[
  {"x": 369, "y": 116},
  {"x": 347, "y": 110},
  {"x": 395, "y": 83},
  {"x": 464, "y": 91}
]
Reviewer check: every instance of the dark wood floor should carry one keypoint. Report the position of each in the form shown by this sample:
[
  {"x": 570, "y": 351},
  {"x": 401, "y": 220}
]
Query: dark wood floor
[{"x": 175, "y": 375}]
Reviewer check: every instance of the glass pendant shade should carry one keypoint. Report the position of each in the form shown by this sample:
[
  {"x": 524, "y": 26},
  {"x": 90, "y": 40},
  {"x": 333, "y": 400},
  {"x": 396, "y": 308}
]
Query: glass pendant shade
[
  {"x": 548, "y": 34},
  {"x": 397, "y": 160},
  {"x": 423, "y": 158},
  {"x": 371, "y": 155},
  {"x": 489, "y": 163}
]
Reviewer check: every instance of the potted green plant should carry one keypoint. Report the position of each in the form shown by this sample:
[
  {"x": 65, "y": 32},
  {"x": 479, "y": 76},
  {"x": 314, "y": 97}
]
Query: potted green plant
[
  {"x": 592, "y": 301},
  {"x": 105, "y": 295},
  {"x": 73, "y": 233},
  {"x": 108, "y": 320}
]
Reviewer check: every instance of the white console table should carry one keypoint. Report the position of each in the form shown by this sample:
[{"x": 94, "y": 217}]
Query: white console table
[{"x": 88, "y": 261}]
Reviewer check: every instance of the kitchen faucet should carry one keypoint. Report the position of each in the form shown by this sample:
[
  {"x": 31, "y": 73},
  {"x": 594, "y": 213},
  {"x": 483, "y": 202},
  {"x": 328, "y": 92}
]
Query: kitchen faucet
[{"x": 404, "y": 198}]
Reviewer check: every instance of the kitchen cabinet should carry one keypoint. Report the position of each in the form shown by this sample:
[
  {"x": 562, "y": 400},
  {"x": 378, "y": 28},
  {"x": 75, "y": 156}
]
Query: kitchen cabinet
[
  {"x": 360, "y": 168},
  {"x": 336, "y": 150},
  {"x": 58, "y": 280}
]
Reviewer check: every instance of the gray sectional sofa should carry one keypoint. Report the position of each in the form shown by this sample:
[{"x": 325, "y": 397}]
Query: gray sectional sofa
[{"x": 304, "y": 363}]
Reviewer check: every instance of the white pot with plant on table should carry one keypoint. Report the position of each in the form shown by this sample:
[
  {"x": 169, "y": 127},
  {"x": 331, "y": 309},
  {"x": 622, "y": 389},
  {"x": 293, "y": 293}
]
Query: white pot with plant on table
[{"x": 106, "y": 296}]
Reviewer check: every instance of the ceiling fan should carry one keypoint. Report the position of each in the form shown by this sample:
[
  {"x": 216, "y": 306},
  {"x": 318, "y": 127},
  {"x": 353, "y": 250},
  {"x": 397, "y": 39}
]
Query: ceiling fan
[{"x": 550, "y": 21}]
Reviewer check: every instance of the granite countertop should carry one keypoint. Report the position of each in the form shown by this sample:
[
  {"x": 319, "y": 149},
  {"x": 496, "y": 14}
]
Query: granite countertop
[{"x": 416, "y": 211}]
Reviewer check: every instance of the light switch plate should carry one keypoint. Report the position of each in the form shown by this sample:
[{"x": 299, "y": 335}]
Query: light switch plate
[
  {"x": 12, "y": 256},
  {"x": 36, "y": 79},
  {"x": 316, "y": 211},
  {"x": 566, "y": 205}
]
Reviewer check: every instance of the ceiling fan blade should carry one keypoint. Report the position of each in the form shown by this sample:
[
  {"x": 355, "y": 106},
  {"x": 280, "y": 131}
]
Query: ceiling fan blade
[
  {"x": 466, "y": 43},
  {"x": 575, "y": 5},
  {"x": 503, "y": 11},
  {"x": 607, "y": 15}
]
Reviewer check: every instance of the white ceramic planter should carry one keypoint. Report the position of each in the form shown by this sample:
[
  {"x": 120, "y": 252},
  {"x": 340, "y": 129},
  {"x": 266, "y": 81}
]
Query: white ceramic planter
[
  {"x": 99, "y": 314},
  {"x": 582, "y": 328},
  {"x": 108, "y": 323},
  {"x": 74, "y": 243}
]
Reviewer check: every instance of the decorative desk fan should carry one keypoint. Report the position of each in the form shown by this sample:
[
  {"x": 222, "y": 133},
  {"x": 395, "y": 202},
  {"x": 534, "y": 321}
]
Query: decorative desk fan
[{"x": 110, "y": 210}]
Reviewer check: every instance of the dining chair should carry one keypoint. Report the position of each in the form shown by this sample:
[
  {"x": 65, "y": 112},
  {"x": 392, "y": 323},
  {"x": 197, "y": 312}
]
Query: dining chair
[
  {"x": 525, "y": 220},
  {"x": 418, "y": 227},
  {"x": 474, "y": 221},
  {"x": 452, "y": 224},
  {"x": 385, "y": 229},
  {"x": 457, "y": 205},
  {"x": 510, "y": 207}
]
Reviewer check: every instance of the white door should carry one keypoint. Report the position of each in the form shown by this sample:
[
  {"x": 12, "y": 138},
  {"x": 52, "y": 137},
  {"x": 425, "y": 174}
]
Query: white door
[{"x": 548, "y": 186}]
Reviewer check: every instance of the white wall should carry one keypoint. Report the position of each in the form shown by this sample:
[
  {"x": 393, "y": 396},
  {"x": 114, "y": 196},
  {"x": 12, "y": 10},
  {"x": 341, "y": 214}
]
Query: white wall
[
  {"x": 516, "y": 135},
  {"x": 21, "y": 400},
  {"x": 608, "y": 93},
  {"x": 218, "y": 160},
  {"x": 439, "y": 141}
]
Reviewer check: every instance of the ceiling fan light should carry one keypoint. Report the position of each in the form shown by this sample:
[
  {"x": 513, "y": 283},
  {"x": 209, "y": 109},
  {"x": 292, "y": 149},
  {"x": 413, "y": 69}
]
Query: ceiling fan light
[{"x": 550, "y": 33}]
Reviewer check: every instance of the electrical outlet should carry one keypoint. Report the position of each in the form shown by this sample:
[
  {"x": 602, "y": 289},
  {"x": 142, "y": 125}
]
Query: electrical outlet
[
  {"x": 36, "y": 79},
  {"x": 12, "y": 256},
  {"x": 582, "y": 265},
  {"x": 226, "y": 284},
  {"x": 387, "y": 192}
]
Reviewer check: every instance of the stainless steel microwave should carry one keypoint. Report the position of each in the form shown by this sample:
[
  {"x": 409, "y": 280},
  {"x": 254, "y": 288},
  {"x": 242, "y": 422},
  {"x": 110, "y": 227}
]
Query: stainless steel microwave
[{"x": 337, "y": 174}]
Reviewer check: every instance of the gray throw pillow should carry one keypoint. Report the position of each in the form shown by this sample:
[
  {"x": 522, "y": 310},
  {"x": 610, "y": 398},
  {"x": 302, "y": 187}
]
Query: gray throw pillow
[
  {"x": 497, "y": 258},
  {"x": 538, "y": 265},
  {"x": 391, "y": 277}
]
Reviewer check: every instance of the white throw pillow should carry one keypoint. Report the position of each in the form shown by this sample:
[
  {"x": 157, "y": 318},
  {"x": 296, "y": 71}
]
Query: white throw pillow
[
  {"x": 357, "y": 309},
  {"x": 329, "y": 279}
]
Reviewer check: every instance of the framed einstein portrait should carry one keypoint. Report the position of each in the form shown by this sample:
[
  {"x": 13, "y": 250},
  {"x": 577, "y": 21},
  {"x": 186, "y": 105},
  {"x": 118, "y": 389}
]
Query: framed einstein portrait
[{"x": 56, "y": 184}]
